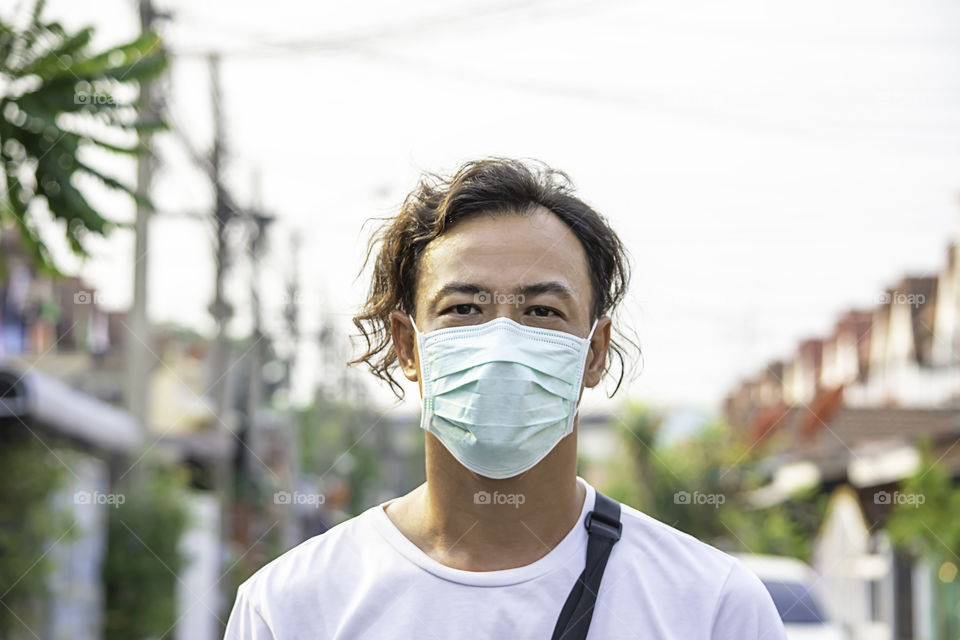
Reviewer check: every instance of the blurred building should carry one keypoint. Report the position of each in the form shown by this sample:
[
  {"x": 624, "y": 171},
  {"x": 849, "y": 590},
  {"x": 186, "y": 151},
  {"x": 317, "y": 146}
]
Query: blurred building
[
  {"x": 846, "y": 412},
  {"x": 88, "y": 437},
  {"x": 62, "y": 370}
]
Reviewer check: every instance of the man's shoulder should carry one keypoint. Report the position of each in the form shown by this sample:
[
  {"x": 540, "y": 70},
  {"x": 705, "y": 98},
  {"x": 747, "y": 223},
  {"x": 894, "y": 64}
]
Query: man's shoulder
[
  {"x": 659, "y": 548},
  {"x": 655, "y": 534},
  {"x": 678, "y": 563},
  {"x": 301, "y": 565}
]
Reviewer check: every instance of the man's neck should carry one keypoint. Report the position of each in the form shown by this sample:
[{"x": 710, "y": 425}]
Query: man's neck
[{"x": 474, "y": 523}]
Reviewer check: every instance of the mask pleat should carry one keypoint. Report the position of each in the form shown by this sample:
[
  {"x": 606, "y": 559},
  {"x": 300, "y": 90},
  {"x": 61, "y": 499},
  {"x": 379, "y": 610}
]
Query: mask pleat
[
  {"x": 504, "y": 441},
  {"x": 481, "y": 411},
  {"x": 502, "y": 378},
  {"x": 447, "y": 358}
]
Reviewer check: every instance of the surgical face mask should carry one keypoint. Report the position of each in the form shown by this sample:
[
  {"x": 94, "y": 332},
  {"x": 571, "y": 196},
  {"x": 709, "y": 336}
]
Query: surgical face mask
[{"x": 500, "y": 395}]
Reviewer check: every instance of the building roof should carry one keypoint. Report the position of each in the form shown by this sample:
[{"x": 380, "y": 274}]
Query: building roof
[
  {"x": 33, "y": 399},
  {"x": 845, "y": 433}
]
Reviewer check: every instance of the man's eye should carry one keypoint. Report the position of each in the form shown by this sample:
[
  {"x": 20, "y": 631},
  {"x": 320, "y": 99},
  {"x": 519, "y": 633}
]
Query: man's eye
[
  {"x": 544, "y": 312},
  {"x": 460, "y": 309}
]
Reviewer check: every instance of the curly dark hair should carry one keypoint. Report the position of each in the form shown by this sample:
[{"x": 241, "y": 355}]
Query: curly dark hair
[{"x": 489, "y": 186}]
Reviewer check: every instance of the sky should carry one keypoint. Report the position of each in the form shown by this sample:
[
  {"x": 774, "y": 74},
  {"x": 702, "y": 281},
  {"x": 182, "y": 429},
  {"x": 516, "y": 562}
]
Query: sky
[{"x": 768, "y": 165}]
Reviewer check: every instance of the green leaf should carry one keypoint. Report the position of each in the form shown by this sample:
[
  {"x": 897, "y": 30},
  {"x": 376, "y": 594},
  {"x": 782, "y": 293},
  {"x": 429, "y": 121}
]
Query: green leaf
[
  {"x": 145, "y": 48},
  {"x": 135, "y": 149},
  {"x": 113, "y": 183},
  {"x": 49, "y": 122},
  {"x": 30, "y": 240},
  {"x": 54, "y": 62}
]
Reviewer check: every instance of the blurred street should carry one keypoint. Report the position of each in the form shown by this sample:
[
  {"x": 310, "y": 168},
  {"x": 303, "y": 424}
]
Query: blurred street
[{"x": 183, "y": 226}]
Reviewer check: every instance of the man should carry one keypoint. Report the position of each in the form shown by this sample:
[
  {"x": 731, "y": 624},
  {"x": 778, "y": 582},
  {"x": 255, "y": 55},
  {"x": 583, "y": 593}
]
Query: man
[{"x": 493, "y": 291}]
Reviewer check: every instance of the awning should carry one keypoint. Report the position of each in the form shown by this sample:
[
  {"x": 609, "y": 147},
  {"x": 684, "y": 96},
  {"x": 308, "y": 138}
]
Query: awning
[{"x": 43, "y": 402}]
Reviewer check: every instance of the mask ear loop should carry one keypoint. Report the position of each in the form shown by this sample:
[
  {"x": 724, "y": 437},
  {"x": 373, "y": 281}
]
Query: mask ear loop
[
  {"x": 576, "y": 410},
  {"x": 417, "y": 339}
]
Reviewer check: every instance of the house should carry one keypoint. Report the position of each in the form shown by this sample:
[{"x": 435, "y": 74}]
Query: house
[
  {"x": 859, "y": 456},
  {"x": 846, "y": 413},
  {"x": 86, "y": 436},
  {"x": 62, "y": 375}
]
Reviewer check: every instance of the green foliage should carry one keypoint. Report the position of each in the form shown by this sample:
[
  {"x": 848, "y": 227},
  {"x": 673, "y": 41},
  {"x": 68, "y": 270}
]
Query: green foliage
[
  {"x": 29, "y": 526},
  {"x": 143, "y": 557},
  {"x": 663, "y": 477},
  {"x": 341, "y": 445},
  {"x": 786, "y": 529},
  {"x": 59, "y": 99},
  {"x": 930, "y": 529},
  {"x": 253, "y": 505},
  {"x": 340, "y": 440},
  {"x": 699, "y": 486}
]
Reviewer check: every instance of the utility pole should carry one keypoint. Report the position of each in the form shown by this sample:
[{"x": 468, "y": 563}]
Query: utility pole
[
  {"x": 291, "y": 312},
  {"x": 221, "y": 311},
  {"x": 260, "y": 222},
  {"x": 138, "y": 346},
  {"x": 293, "y": 530}
]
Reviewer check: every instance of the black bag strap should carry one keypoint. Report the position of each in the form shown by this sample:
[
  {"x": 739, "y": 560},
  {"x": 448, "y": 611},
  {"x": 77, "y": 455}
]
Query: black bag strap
[{"x": 604, "y": 528}]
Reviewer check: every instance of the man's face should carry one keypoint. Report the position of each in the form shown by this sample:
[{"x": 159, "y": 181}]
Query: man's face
[{"x": 529, "y": 268}]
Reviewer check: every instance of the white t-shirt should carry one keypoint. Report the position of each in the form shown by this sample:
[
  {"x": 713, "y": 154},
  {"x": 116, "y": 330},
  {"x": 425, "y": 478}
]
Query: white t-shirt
[{"x": 365, "y": 579}]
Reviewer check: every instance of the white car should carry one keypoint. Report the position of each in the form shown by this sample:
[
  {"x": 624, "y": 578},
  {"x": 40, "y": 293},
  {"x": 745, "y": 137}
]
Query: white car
[{"x": 793, "y": 587}]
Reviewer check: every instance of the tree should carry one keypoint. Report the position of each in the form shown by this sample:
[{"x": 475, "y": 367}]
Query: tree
[
  {"x": 30, "y": 525},
  {"x": 700, "y": 485},
  {"x": 926, "y": 526},
  {"x": 144, "y": 559},
  {"x": 58, "y": 99}
]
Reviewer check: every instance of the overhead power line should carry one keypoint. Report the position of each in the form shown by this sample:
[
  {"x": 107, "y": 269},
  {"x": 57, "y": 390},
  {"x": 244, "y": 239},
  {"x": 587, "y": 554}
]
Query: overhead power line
[{"x": 424, "y": 25}]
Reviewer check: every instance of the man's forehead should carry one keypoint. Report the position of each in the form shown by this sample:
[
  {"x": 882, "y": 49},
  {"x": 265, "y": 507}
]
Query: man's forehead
[
  {"x": 536, "y": 252},
  {"x": 554, "y": 287},
  {"x": 506, "y": 242}
]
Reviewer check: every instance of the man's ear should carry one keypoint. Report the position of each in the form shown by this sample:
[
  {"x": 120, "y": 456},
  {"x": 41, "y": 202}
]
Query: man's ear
[
  {"x": 404, "y": 342},
  {"x": 597, "y": 355}
]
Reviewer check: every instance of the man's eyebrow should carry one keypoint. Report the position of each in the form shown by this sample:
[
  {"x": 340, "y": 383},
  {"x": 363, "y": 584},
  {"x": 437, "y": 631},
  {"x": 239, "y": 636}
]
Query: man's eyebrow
[
  {"x": 455, "y": 287},
  {"x": 554, "y": 287}
]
